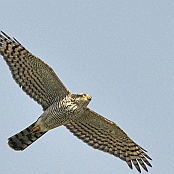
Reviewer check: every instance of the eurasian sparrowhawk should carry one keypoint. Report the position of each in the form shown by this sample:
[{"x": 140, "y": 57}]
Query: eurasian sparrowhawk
[{"x": 61, "y": 107}]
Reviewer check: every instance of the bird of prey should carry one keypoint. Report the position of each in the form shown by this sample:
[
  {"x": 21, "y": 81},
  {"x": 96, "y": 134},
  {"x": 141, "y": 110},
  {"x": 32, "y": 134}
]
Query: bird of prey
[{"x": 61, "y": 107}]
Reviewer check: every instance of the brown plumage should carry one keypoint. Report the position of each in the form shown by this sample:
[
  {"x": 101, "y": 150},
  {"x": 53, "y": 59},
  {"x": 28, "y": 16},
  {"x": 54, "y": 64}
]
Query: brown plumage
[{"x": 61, "y": 107}]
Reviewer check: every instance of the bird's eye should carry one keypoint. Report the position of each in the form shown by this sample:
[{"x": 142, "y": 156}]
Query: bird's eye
[{"x": 84, "y": 95}]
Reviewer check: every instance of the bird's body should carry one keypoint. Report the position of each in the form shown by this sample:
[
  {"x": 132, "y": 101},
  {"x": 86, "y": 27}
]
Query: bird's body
[
  {"x": 60, "y": 113},
  {"x": 61, "y": 107}
]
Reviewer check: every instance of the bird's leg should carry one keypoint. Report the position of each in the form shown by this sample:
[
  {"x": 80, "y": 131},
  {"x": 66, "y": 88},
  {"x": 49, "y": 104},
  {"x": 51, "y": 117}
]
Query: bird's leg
[{"x": 35, "y": 129}]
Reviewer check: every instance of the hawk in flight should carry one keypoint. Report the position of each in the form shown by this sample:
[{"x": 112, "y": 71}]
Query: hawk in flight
[{"x": 61, "y": 107}]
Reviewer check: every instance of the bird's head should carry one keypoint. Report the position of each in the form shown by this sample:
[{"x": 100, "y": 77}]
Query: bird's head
[{"x": 82, "y": 99}]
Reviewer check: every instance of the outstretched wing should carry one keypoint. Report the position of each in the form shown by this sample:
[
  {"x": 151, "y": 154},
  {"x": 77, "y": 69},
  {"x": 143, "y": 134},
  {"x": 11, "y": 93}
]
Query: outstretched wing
[
  {"x": 105, "y": 135},
  {"x": 35, "y": 77}
]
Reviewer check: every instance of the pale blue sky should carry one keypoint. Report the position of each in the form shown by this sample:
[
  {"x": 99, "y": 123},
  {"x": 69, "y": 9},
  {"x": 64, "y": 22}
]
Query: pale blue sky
[{"x": 120, "y": 52}]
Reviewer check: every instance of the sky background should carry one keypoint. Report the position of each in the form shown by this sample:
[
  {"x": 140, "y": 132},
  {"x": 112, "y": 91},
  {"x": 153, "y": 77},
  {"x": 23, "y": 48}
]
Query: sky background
[{"x": 120, "y": 52}]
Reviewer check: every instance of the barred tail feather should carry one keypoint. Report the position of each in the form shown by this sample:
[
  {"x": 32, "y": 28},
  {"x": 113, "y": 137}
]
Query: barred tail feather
[{"x": 23, "y": 139}]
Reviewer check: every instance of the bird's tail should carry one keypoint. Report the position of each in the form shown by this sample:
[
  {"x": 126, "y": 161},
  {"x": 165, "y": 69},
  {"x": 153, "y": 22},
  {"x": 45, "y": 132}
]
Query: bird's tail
[{"x": 23, "y": 139}]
